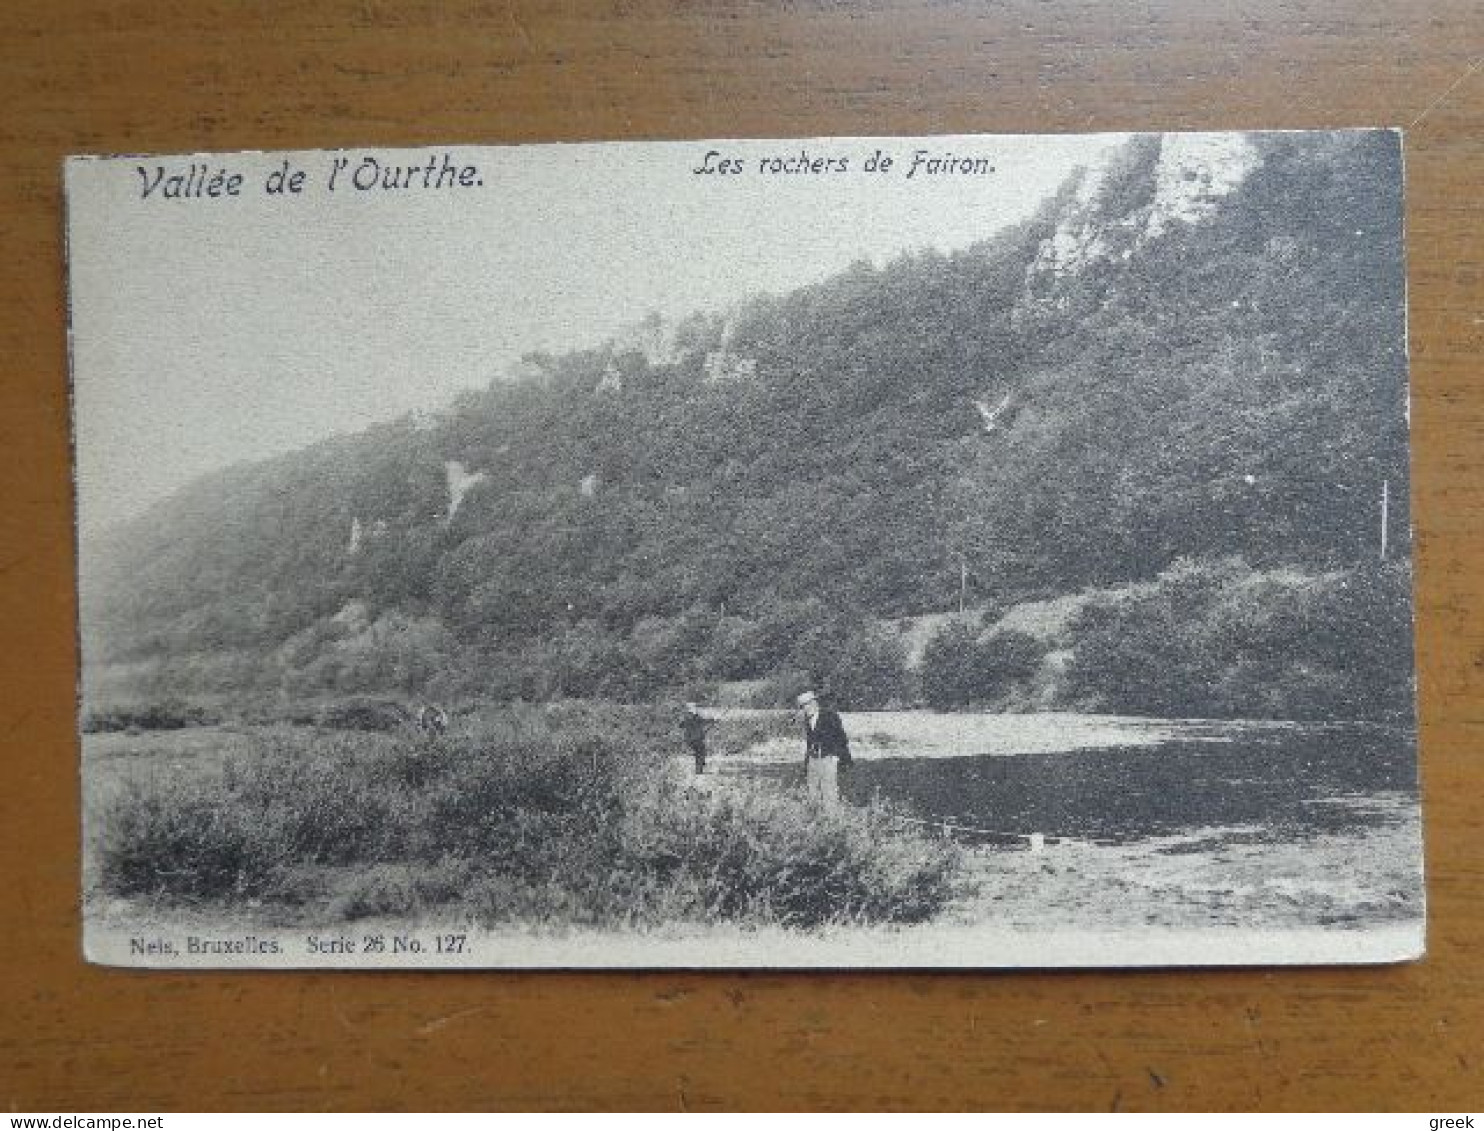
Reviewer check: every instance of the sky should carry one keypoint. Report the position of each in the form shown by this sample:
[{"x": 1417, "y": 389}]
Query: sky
[{"x": 208, "y": 331}]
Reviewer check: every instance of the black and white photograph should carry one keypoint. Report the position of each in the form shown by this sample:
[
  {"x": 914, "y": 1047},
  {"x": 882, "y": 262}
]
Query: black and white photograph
[{"x": 898, "y": 552}]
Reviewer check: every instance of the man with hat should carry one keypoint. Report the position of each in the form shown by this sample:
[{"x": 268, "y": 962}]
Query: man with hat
[{"x": 826, "y": 749}]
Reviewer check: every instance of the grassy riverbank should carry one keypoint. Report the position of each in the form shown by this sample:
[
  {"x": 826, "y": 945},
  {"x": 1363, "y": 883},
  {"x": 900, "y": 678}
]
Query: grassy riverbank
[{"x": 552, "y": 818}]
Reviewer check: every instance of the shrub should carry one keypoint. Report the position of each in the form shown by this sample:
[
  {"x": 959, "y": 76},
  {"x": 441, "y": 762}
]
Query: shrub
[
  {"x": 1220, "y": 639},
  {"x": 349, "y": 653},
  {"x": 947, "y": 671},
  {"x": 163, "y": 837},
  {"x": 776, "y": 859},
  {"x": 960, "y": 668},
  {"x": 299, "y": 801},
  {"x": 559, "y": 815},
  {"x": 869, "y": 672},
  {"x": 1006, "y": 657}
]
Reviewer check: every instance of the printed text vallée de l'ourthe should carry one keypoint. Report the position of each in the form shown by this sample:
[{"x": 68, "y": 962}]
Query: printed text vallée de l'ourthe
[{"x": 203, "y": 180}]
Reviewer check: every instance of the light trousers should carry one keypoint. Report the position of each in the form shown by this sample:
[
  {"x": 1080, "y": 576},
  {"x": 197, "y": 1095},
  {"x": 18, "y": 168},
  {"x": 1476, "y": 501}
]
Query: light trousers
[{"x": 822, "y": 781}]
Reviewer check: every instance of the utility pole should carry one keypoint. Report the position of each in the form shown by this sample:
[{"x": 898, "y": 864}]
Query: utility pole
[{"x": 1385, "y": 514}]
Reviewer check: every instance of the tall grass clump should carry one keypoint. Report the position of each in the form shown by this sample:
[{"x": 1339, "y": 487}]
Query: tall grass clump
[
  {"x": 296, "y": 800},
  {"x": 771, "y": 857},
  {"x": 553, "y": 817}
]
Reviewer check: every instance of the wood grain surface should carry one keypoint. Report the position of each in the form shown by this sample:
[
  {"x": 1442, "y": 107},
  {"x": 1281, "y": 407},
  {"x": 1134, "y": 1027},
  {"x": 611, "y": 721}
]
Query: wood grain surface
[{"x": 172, "y": 75}]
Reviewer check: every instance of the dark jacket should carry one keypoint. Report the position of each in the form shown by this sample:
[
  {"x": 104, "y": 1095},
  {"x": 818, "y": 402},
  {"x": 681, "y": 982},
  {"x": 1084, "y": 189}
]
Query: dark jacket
[
  {"x": 827, "y": 738},
  {"x": 694, "y": 728}
]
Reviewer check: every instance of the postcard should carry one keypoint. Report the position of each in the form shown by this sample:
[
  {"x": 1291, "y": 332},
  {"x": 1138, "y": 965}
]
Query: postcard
[{"x": 906, "y": 552}]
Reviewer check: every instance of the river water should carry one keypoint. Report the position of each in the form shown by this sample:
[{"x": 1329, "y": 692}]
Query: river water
[{"x": 1255, "y": 781}]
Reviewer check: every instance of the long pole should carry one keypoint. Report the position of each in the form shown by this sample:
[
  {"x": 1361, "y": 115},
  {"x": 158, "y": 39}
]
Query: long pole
[
  {"x": 963, "y": 581},
  {"x": 1385, "y": 514}
]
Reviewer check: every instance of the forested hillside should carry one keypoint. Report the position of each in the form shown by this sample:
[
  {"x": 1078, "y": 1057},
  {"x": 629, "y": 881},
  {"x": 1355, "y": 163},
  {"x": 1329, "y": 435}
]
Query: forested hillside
[{"x": 1189, "y": 355}]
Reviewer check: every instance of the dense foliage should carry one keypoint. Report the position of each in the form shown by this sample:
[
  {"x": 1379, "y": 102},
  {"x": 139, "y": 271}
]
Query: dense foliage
[
  {"x": 543, "y": 818},
  {"x": 748, "y": 501},
  {"x": 963, "y": 668},
  {"x": 1215, "y": 639}
]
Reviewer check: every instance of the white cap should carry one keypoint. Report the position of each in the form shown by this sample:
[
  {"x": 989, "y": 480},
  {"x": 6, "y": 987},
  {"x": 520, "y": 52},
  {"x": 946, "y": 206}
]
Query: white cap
[{"x": 805, "y": 699}]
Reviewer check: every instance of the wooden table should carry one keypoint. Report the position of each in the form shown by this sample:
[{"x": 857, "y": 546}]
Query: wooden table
[{"x": 171, "y": 75}]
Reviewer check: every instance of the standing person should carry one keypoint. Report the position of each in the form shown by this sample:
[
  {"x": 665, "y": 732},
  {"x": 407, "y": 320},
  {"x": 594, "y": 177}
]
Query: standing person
[
  {"x": 693, "y": 727},
  {"x": 826, "y": 749}
]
